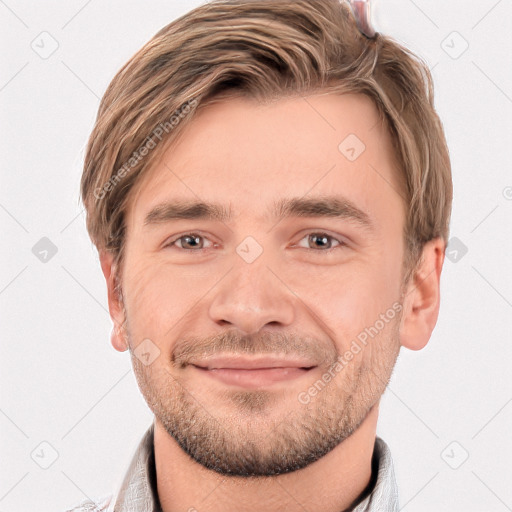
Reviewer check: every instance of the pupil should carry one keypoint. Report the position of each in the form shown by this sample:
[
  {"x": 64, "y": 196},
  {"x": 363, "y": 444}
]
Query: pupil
[
  {"x": 195, "y": 240},
  {"x": 324, "y": 239}
]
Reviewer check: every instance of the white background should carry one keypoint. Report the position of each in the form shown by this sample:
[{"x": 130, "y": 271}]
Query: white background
[{"x": 61, "y": 381}]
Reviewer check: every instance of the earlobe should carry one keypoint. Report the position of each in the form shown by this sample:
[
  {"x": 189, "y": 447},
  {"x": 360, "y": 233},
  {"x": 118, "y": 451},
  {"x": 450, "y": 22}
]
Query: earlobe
[
  {"x": 118, "y": 339},
  {"x": 422, "y": 297},
  {"x": 115, "y": 301}
]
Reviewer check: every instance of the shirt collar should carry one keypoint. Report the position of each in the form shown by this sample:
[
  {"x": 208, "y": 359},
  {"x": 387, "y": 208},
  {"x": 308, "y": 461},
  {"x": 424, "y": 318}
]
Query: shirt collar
[
  {"x": 384, "y": 495},
  {"x": 138, "y": 491}
]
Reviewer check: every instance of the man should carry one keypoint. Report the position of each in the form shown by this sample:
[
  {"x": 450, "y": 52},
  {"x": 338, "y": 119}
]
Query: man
[{"x": 269, "y": 190}]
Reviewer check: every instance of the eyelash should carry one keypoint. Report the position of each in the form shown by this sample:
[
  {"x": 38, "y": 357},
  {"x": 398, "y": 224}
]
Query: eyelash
[{"x": 341, "y": 243}]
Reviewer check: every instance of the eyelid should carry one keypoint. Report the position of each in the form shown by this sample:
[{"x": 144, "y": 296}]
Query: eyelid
[
  {"x": 342, "y": 242},
  {"x": 171, "y": 241},
  {"x": 340, "y": 239}
]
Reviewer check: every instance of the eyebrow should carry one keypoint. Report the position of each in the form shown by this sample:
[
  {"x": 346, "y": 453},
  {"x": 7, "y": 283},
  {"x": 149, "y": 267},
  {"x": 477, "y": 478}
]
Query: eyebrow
[{"x": 318, "y": 207}]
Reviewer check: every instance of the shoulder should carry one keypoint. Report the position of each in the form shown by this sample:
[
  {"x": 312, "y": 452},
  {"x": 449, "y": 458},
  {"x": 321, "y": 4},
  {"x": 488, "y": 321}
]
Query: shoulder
[{"x": 99, "y": 505}]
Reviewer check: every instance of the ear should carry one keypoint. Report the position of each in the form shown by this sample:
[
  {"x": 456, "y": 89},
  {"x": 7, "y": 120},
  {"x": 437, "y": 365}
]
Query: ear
[
  {"x": 115, "y": 301},
  {"x": 422, "y": 297}
]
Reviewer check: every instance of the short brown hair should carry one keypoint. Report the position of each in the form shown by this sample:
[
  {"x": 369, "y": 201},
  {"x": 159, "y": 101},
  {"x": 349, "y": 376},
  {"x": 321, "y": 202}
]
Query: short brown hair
[{"x": 264, "y": 49}]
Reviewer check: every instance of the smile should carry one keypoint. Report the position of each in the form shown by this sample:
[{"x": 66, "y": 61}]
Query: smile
[
  {"x": 253, "y": 378},
  {"x": 253, "y": 372}
]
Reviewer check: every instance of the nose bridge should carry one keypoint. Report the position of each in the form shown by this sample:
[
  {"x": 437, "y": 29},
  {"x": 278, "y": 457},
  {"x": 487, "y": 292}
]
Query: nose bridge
[{"x": 251, "y": 296}]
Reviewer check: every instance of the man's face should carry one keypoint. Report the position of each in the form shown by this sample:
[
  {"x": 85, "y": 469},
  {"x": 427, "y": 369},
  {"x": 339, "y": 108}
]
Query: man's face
[{"x": 249, "y": 314}]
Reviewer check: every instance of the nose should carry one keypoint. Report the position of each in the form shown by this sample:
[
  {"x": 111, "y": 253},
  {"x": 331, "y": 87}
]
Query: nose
[{"x": 251, "y": 297}]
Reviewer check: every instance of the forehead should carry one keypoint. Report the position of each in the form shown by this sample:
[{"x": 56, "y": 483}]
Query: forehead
[{"x": 250, "y": 155}]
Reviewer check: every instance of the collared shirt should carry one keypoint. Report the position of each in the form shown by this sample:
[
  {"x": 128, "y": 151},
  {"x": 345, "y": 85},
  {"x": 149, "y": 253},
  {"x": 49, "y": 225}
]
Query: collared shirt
[{"x": 138, "y": 491}]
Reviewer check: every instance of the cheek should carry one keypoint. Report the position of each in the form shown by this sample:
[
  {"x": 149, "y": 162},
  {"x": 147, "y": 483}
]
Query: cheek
[
  {"x": 160, "y": 298},
  {"x": 149, "y": 299},
  {"x": 346, "y": 299}
]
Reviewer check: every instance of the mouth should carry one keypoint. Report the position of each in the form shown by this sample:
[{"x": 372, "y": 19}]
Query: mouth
[{"x": 253, "y": 372}]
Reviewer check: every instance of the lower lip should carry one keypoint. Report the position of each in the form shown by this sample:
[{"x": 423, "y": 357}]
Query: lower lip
[{"x": 257, "y": 378}]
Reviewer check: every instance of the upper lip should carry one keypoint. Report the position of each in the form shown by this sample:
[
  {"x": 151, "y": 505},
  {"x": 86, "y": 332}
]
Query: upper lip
[{"x": 252, "y": 363}]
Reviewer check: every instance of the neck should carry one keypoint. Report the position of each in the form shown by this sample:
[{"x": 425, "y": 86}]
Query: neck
[{"x": 337, "y": 481}]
